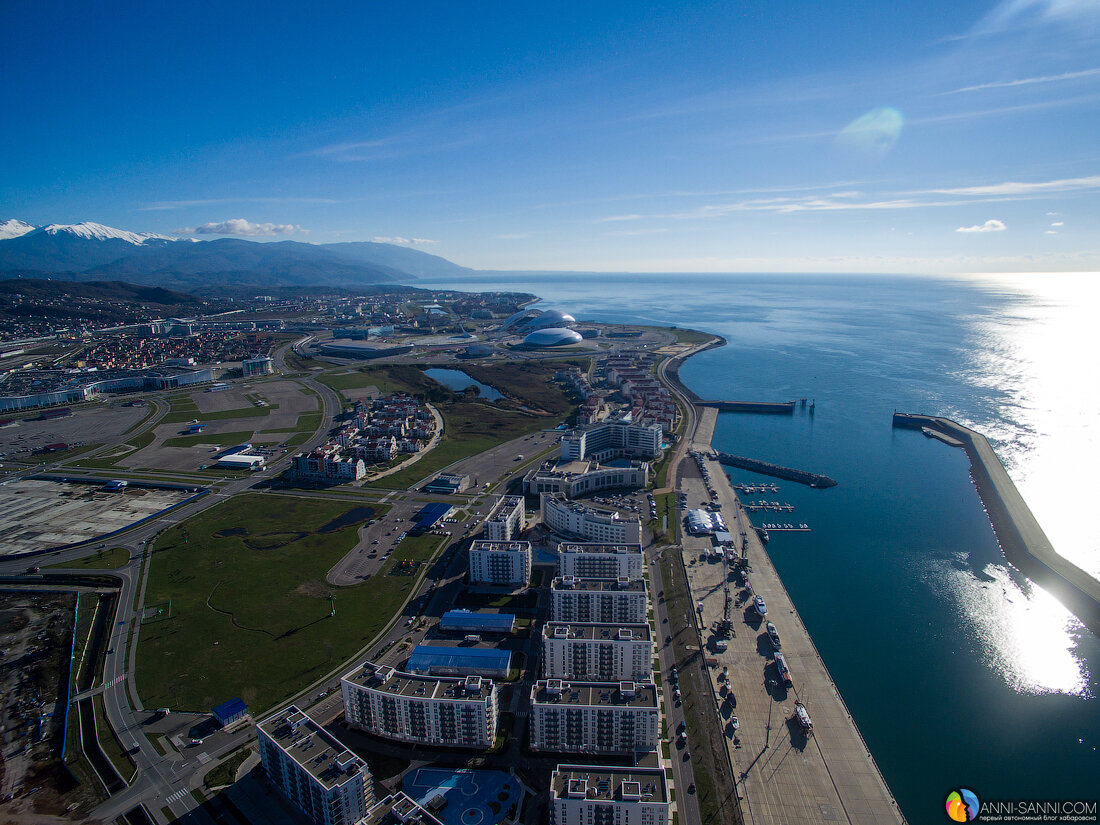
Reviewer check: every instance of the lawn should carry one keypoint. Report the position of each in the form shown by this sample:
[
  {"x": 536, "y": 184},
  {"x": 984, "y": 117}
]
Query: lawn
[
  {"x": 180, "y": 416},
  {"x": 250, "y": 605},
  {"x": 307, "y": 422},
  {"x": 226, "y": 439},
  {"x": 530, "y": 382}
]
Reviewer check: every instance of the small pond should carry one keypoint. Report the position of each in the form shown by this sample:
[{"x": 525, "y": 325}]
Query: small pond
[{"x": 458, "y": 380}]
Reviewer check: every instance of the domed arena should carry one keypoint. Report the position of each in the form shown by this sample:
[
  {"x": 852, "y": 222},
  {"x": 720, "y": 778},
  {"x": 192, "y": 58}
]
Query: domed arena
[{"x": 552, "y": 337}]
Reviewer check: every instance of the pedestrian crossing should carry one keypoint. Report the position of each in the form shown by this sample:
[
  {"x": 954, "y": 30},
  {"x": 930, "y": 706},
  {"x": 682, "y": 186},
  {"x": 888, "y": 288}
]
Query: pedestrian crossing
[
  {"x": 177, "y": 796},
  {"x": 116, "y": 681}
]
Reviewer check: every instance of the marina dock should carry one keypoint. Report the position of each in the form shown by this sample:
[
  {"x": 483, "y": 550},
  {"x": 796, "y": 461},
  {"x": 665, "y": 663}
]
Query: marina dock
[
  {"x": 776, "y": 408},
  {"x": 784, "y": 777},
  {"x": 1022, "y": 539},
  {"x": 776, "y": 470}
]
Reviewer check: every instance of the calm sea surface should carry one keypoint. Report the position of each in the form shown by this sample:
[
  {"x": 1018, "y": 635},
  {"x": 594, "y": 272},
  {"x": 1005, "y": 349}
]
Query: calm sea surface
[{"x": 958, "y": 671}]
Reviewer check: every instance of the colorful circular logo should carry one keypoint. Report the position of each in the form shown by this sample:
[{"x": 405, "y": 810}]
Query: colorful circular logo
[{"x": 962, "y": 805}]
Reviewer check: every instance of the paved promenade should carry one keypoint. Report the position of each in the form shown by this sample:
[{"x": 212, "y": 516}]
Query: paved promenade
[{"x": 785, "y": 778}]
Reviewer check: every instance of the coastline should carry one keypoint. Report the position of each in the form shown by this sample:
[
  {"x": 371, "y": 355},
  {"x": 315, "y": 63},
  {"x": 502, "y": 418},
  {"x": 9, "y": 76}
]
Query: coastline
[
  {"x": 1022, "y": 540},
  {"x": 836, "y": 776}
]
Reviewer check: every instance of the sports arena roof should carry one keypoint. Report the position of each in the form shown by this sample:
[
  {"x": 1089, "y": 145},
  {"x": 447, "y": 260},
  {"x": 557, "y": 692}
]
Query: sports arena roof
[
  {"x": 468, "y": 620},
  {"x": 552, "y": 337},
  {"x": 530, "y": 319},
  {"x": 447, "y": 661}
]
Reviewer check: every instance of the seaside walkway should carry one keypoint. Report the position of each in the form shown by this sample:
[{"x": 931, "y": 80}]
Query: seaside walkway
[{"x": 784, "y": 777}]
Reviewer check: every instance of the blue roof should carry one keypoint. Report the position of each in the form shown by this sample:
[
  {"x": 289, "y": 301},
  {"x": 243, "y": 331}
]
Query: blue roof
[
  {"x": 472, "y": 620},
  {"x": 231, "y": 709},
  {"x": 431, "y": 513},
  {"x": 426, "y": 657}
]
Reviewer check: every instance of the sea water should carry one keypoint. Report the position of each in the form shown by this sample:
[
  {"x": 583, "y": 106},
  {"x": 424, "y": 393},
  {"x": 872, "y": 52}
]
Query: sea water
[{"x": 957, "y": 670}]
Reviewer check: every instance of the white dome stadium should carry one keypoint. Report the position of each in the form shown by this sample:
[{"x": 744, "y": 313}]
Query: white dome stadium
[{"x": 552, "y": 337}]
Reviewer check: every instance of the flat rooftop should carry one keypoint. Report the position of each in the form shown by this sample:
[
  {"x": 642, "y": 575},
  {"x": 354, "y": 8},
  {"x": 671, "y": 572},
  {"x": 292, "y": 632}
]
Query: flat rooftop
[
  {"x": 501, "y": 546},
  {"x": 605, "y": 549},
  {"x": 308, "y": 744},
  {"x": 598, "y": 632},
  {"x": 399, "y": 683},
  {"x": 581, "y": 585},
  {"x": 594, "y": 694},
  {"x": 609, "y": 784},
  {"x": 398, "y": 809}
]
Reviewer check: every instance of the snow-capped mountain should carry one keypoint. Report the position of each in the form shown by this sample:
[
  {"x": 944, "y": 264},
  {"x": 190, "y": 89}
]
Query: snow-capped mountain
[
  {"x": 99, "y": 232},
  {"x": 13, "y": 228},
  {"x": 92, "y": 251}
]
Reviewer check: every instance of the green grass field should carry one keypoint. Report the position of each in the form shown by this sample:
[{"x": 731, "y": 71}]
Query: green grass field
[
  {"x": 251, "y": 612},
  {"x": 531, "y": 382},
  {"x": 226, "y": 439},
  {"x": 180, "y": 416}
]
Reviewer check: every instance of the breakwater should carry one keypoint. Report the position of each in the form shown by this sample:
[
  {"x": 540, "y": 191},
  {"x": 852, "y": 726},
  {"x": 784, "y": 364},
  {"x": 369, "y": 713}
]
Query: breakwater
[
  {"x": 777, "y": 408},
  {"x": 776, "y": 470},
  {"x": 1022, "y": 540}
]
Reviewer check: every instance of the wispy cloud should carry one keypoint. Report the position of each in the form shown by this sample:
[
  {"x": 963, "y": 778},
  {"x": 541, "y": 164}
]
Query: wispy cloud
[
  {"x": 1023, "y": 188},
  {"x": 1012, "y": 13},
  {"x": 397, "y": 239},
  {"x": 1026, "y": 81},
  {"x": 165, "y": 205},
  {"x": 240, "y": 226},
  {"x": 1058, "y": 223},
  {"x": 992, "y": 225}
]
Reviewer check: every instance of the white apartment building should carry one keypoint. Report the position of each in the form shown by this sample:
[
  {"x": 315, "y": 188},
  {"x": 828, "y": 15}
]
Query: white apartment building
[
  {"x": 585, "y": 795},
  {"x": 611, "y": 439},
  {"x": 500, "y": 562},
  {"x": 506, "y": 519},
  {"x": 597, "y": 652},
  {"x": 428, "y": 710},
  {"x": 594, "y": 717},
  {"x": 600, "y": 561},
  {"x": 579, "y": 478},
  {"x": 328, "y": 783},
  {"x": 598, "y": 601},
  {"x": 567, "y": 518}
]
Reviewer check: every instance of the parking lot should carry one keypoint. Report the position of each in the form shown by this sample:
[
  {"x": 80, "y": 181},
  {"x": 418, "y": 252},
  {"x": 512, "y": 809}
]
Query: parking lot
[
  {"x": 91, "y": 424},
  {"x": 37, "y": 514}
]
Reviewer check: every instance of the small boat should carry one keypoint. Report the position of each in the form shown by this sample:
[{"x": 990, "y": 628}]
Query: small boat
[
  {"x": 734, "y": 723},
  {"x": 803, "y": 717},
  {"x": 758, "y": 603}
]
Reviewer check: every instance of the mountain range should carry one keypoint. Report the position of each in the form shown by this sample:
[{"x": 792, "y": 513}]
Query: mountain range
[{"x": 94, "y": 252}]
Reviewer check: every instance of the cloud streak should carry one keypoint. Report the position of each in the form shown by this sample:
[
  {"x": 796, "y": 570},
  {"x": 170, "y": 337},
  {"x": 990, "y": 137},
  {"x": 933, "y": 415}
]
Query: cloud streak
[
  {"x": 243, "y": 228},
  {"x": 397, "y": 239},
  {"x": 1026, "y": 81},
  {"x": 1018, "y": 188},
  {"x": 992, "y": 225}
]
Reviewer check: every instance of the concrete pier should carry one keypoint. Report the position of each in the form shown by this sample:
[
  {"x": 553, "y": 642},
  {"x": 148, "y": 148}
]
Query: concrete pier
[
  {"x": 1022, "y": 540},
  {"x": 784, "y": 777}
]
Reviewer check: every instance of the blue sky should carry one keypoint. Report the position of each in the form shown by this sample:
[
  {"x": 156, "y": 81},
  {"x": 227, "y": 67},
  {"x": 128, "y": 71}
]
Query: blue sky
[{"x": 749, "y": 136}]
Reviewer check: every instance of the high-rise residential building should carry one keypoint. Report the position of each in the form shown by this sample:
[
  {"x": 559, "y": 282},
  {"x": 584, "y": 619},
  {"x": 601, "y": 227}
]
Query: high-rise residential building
[
  {"x": 611, "y": 439},
  {"x": 568, "y": 518},
  {"x": 594, "y": 717},
  {"x": 328, "y": 783},
  {"x": 454, "y": 712},
  {"x": 597, "y": 652},
  {"x": 500, "y": 562},
  {"x": 585, "y": 795},
  {"x": 505, "y": 521},
  {"x": 600, "y": 561},
  {"x": 599, "y": 601}
]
